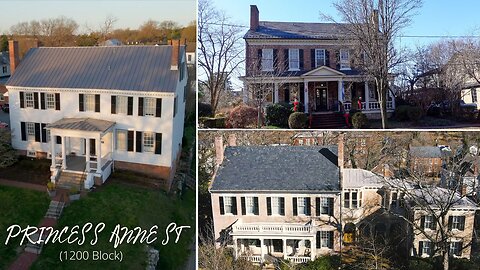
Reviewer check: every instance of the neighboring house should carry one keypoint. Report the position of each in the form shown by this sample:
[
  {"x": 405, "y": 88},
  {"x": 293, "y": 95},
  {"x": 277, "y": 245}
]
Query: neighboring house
[
  {"x": 111, "y": 42},
  {"x": 191, "y": 50},
  {"x": 3, "y": 95},
  {"x": 309, "y": 62},
  {"x": 93, "y": 109},
  {"x": 426, "y": 160},
  {"x": 471, "y": 94},
  {"x": 4, "y": 64}
]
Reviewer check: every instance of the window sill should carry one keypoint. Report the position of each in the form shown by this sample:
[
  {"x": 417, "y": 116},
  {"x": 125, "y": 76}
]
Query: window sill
[
  {"x": 293, "y": 69},
  {"x": 267, "y": 69}
]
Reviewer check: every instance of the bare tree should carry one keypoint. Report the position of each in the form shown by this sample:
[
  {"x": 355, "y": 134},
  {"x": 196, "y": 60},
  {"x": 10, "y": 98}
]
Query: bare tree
[
  {"x": 220, "y": 49},
  {"x": 107, "y": 27},
  {"x": 372, "y": 29}
]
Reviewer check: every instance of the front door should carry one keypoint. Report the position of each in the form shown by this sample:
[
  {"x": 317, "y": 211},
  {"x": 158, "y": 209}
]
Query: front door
[
  {"x": 320, "y": 99},
  {"x": 92, "y": 147}
]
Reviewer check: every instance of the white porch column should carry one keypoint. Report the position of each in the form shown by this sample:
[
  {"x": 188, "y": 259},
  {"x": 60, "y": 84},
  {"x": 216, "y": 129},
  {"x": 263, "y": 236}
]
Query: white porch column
[
  {"x": 305, "y": 93},
  {"x": 262, "y": 251},
  {"x": 340, "y": 83},
  {"x": 64, "y": 153},
  {"x": 275, "y": 90},
  {"x": 313, "y": 248},
  {"x": 367, "y": 97},
  {"x": 284, "y": 248},
  {"x": 235, "y": 247},
  {"x": 53, "y": 153},
  {"x": 99, "y": 153},
  {"x": 87, "y": 154}
]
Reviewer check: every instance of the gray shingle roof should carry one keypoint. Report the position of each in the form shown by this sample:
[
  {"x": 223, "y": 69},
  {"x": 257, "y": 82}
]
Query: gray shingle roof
[
  {"x": 83, "y": 124},
  {"x": 426, "y": 151},
  {"x": 297, "y": 30},
  {"x": 143, "y": 68},
  {"x": 278, "y": 168}
]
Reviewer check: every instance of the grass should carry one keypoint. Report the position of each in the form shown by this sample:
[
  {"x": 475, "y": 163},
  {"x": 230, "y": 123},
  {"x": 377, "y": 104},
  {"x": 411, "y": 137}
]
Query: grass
[
  {"x": 31, "y": 170},
  {"x": 426, "y": 121},
  {"x": 127, "y": 205},
  {"x": 22, "y": 207}
]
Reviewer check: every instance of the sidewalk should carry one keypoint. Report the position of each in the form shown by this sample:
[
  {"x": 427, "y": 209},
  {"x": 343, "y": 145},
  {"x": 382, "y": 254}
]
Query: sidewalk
[{"x": 11, "y": 183}]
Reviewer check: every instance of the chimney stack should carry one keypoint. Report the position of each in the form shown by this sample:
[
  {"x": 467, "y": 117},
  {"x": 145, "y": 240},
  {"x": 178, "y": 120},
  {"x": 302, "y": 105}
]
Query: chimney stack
[
  {"x": 341, "y": 137},
  {"x": 175, "y": 54},
  {"x": 13, "y": 52},
  {"x": 218, "y": 150},
  {"x": 254, "y": 17},
  {"x": 232, "y": 140}
]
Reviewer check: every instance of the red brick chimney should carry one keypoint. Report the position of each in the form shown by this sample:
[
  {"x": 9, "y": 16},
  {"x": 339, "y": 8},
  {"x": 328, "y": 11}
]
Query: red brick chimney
[
  {"x": 254, "y": 17},
  {"x": 232, "y": 140},
  {"x": 175, "y": 54},
  {"x": 13, "y": 52},
  {"x": 340, "y": 146},
  {"x": 218, "y": 150}
]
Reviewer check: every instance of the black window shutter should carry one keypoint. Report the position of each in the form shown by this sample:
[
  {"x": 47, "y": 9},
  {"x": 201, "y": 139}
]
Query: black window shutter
[
  {"x": 301, "y": 58},
  {"x": 234, "y": 205},
  {"x": 22, "y": 100},
  {"x": 130, "y": 106},
  {"x": 158, "y": 143},
  {"x": 37, "y": 132},
  {"x": 282, "y": 206},
  {"x": 285, "y": 59},
  {"x": 158, "y": 108},
  {"x": 318, "y": 240},
  {"x": 42, "y": 101},
  {"x": 434, "y": 227},
  {"x": 330, "y": 239},
  {"x": 420, "y": 248},
  {"x": 432, "y": 248},
  {"x": 140, "y": 106},
  {"x": 422, "y": 222},
  {"x": 57, "y": 101},
  {"x": 44, "y": 132},
  {"x": 460, "y": 247},
  {"x": 462, "y": 223},
  {"x": 450, "y": 221},
  {"x": 97, "y": 103},
  {"x": 244, "y": 209},
  {"x": 113, "y": 104},
  {"x": 295, "y": 210},
  {"x": 35, "y": 100},
  {"x": 59, "y": 139},
  {"x": 327, "y": 58},
  {"x": 269, "y": 206},
  {"x": 312, "y": 58},
  {"x": 275, "y": 60},
  {"x": 222, "y": 206},
  {"x": 330, "y": 207},
  {"x": 130, "y": 141},
  {"x": 81, "y": 103},
  {"x": 308, "y": 205},
  {"x": 24, "y": 131},
  {"x": 255, "y": 205},
  {"x": 259, "y": 59},
  {"x": 139, "y": 141},
  {"x": 317, "y": 207}
]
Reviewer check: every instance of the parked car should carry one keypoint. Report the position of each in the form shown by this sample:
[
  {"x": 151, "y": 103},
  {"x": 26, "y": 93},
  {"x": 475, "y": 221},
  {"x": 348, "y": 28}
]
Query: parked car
[
  {"x": 6, "y": 108},
  {"x": 3, "y": 125}
]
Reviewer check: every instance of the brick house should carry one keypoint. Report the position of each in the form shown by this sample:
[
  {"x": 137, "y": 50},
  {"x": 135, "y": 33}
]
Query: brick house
[
  {"x": 93, "y": 109},
  {"x": 426, "y": 160},
  {"x": 310, "y": 62}
]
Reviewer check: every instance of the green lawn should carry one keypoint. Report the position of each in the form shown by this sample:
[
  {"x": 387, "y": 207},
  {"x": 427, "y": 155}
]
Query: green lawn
[
  {"x": 127, "y": 205},
  {"x": 22, "y": 207}
]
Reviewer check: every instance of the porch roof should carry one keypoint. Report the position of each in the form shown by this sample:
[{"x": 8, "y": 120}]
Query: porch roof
[{"x": 83, "y": 124}]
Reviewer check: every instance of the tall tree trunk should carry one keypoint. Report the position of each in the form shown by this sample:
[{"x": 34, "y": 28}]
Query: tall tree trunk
[{"x": 445, "y": 261}]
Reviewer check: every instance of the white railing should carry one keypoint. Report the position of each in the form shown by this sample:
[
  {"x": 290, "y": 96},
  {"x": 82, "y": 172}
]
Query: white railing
[
  {"x": 253, "y": 258},
  {"x": 372, "y": 106},
  {"x": 298, "y": 259},
  {"x": 272, "y": 228}
]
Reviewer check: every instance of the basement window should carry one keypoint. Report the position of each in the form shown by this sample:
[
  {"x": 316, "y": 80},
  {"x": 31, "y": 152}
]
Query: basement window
[{"x": 31, "y": 153}]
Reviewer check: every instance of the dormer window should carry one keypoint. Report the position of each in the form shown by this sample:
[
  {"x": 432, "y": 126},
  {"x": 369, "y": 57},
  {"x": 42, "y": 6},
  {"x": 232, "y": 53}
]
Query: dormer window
[
  {"x": 267, "y": 59},
  {"x": 293, "y": 59},
  {"x": 344, "y": 59}
]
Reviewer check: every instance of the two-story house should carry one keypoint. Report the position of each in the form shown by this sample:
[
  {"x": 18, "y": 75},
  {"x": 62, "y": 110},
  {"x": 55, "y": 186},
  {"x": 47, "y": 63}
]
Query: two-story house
[
  {"x": 426, "y": 161},
  {"x": 313, "y": 63},
  {"x": 93, "y": 109},
  {"x": 4, "y": 75}
]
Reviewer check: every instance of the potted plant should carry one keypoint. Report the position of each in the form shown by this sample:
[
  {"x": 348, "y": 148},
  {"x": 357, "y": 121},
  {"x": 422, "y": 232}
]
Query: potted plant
[
  {"x": 74, "y": 194},
  {"x": 52, "y": 191}
]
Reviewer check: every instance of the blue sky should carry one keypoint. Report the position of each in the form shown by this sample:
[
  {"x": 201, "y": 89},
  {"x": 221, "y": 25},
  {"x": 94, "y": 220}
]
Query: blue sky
[{"x": 130, "y": 13}]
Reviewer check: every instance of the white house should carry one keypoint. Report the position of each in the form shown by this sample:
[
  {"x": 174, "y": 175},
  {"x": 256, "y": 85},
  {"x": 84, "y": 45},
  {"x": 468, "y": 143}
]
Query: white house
[{"x": 93, "y": 109}]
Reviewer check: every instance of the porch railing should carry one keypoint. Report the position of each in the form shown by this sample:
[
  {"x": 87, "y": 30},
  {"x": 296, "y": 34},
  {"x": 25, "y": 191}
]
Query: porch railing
[
  {"x": 271, "y": 228},
  {"x": 298, "y": 259},
  {"x": 372, "y": 106},
  {"x": 253, "y": 258}
]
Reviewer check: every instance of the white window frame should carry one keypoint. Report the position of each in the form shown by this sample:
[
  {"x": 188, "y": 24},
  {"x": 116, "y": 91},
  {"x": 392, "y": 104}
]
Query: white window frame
[
  {"x": 324, "y": 205},
  {"x": 30, "y": 130},
  {"x": 121, "y": 143},
  {"x": 473, "y": 92},
  {"x": 29, "y": 100},
  {"x": 121, "y": 105},
  {"x": 350, "y": 202},
  {"x": 89, "y": 102},
  {"x": 267, "y": 60},
  {"x": 428, "y": 222},
  {"x": 293, "y": 59},
  {"x": 276, "y": 205},
  {"x": 426, "y": 248},
  {"x": 344, "y": 59},
  {"x": 50, "y": 101},
  {"x": 149, "y": 106},
  {"x": 228, "y": 205},
  {"x": 149, "y": 142},
  {"x": 250, "y": 205},
  {"x": 302, "y": 206},
  {"x": 317, "y": 57},
  {"x": 324, "y": 236},
  {"x": 453, "y": 246},
  {"x": 456, "y": 221}
]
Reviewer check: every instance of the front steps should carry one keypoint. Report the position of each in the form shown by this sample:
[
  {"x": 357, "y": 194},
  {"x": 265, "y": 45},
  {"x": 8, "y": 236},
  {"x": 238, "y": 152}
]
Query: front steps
[
  {"x": 332, "y": 120},
  {"x": 68, "y": 180},
  {"x": 55, "y": 209}
]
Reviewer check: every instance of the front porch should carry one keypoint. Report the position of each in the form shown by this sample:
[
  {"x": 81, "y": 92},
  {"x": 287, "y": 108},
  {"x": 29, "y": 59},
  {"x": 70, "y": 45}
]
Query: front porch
[{"x": 83, "y": 147}]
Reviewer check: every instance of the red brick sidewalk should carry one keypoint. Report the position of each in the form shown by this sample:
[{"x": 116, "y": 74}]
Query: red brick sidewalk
[{"x": 18, "y": 184}]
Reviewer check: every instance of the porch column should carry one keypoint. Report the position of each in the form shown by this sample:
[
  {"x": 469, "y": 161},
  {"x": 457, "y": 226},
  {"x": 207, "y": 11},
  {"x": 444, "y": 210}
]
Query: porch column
[
  {"x": 284, "y": 248},
  {"x": 313, "y": 247},
  {"x": 52, "y": 149},
  {"x": 340, "y": 99},
  {"x": 64, "y": 153},
  {"x": 275, "y": 89},
  {"x": 99, "y": 155},
  {"x": 367, "y": 97},
  {"x": 262, "y": 251},
  {"x": 305, "y": 93},
  {"x": 87, "y": 154}
]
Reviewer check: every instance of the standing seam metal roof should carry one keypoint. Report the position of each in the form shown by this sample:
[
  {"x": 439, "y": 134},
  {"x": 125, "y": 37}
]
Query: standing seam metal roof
[{"x": 141, "y": 68}]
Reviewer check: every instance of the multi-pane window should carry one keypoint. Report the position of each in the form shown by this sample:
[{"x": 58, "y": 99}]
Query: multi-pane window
[
  {"x": 302, "y": 205},
  {"x": 227, "y": 204},
  {"x": 319, "y": 57},
  {"x": 121, "y": 140},
  {"x": 149, "y": 106},
  {"x": 50, "y": 101},
  {"x": 4, "y": 69},
  {"x": 122, "y": 103},
  {"x": 267, "y": 59},
  {"x": 148, "y": 142},
  {"x": 455, "y": 248},
  {"x": 474, "y": 95},
  {"x": 48, "y": 135},
  {"x": 89, "y": 102},
  {"x": 250, "y": 205},
  {"x": 325, "y": 239},
  {"x": 346, "y": 200},
  {"x": 351, "y": 199},
  {"x": 294, "y": 59},
  {"x": 276, "y": 206},
  {"x": 344, "y": 59},
  {"x": 428, "y": 222},
  {"x": 457, "y": 222},
  {"x": 30, "y": 131},
  {"x": 354, "y": 199},
  {"x": 426, "y": 247},
  {"x": 29, "y": 102},
  {"x": 394, "y": 196},
  {"x": 325, "y": 206}
]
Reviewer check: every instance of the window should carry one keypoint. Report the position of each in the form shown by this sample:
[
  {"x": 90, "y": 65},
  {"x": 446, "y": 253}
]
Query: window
[
  {"x": 50, "y": 101},
  {"x": 354, "y": 199},
  {"x": 189, "y": 58},
  {"x": 344, "y": 59},
  {"x": 293, "y": 59},
  {"x": 227, "y": 204},
  {"x": 351, "y": 199},
  {"x": 474, "y": 95},
  {"x": 150, "y": 106},
  {"x": 121, "y": 140},
  {"x": 250, "y": 205},
  {"x": 267, "y": 59},
  {"x": 2, "y": 98},
  {"x": 324, "y": 239},
  {"x": 319, "y": 57},
  {"x": 425, "y": 248},
  {"x": 89, "y": 103},
  {"x": 276, "y": 206},
  {"x": 30, "y": 131},
  {"x": 302, "y": 206},
  {"x": 148, "y": 142},
  {"x": 325, "y": 206},
  {"x": 29, "y": 101},
  {"x": 457, "y": 222},
  {"x": 455, "y": 248},
  {"x": 48, "y": 135},
  {"x": 4, "y": 69},
  {"x": 122, "y": 103},
  {"x": 428, "y": 222},
  {"x": 174, "y": 106},
  {"x": 394, "y": 199},
  {"x": 346, "y": 200}
]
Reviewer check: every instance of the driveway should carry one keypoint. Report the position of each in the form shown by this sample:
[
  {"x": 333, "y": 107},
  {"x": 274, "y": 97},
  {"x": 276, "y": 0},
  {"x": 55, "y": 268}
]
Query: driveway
[{"x": 4, "y": 117}]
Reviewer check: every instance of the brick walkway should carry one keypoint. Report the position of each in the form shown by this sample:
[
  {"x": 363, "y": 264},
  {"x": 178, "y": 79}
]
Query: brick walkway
[
  {"x": 10, "y": 183},
  {"x": 24, "y": 261}
]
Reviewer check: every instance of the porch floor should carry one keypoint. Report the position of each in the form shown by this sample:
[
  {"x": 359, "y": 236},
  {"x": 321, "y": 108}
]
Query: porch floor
[{"x": 78, "y": 164}]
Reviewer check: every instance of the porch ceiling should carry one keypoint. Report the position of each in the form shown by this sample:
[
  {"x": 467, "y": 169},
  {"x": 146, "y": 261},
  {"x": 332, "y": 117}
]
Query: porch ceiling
[{"x": 82, "y": 124}]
